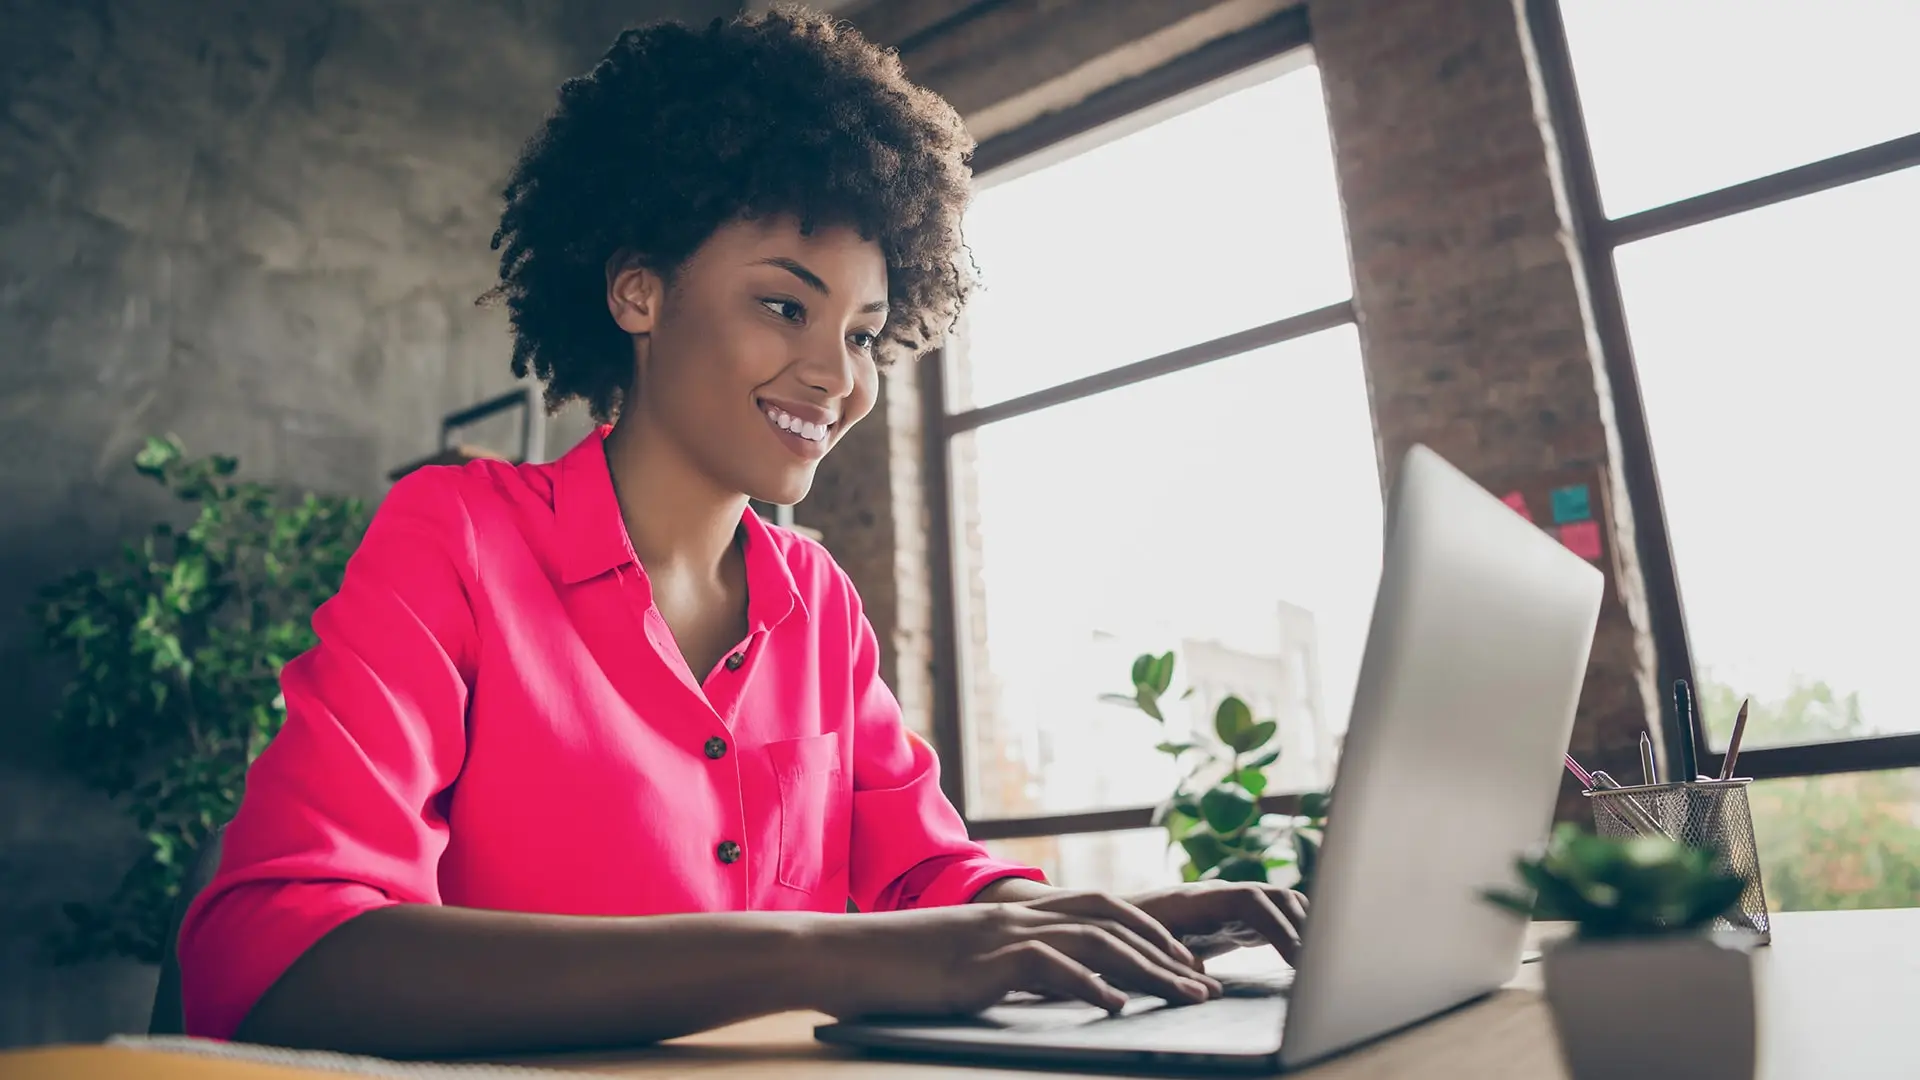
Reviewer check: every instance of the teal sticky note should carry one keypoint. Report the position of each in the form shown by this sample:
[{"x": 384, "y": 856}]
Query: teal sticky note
[{"x": 1571, "y": 504}]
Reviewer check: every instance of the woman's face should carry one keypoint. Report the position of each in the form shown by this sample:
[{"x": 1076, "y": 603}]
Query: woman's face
[{"x": 760, "y": 355}]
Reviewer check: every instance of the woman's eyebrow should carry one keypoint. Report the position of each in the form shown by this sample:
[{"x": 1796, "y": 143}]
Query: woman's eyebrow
[
  {"x": 799, "y": 270},
  {"x": 812, "y": 280}
]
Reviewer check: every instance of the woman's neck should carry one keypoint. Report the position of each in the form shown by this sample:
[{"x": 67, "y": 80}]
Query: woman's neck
[{"x": 677, "y": 519}]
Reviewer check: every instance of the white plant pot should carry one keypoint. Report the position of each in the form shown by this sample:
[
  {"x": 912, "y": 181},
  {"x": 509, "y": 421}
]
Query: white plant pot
[{"x": 1649, "y": 1007}]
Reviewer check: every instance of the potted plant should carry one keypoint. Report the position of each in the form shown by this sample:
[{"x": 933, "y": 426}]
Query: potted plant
[
  {"x": 175, "y": 652},
  {"x": 1214, "y": 811},
  {"x": 1642, "y": 986}
]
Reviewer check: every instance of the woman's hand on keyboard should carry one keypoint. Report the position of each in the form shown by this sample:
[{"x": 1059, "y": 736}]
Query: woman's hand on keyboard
[
  {"x": 1091, "y": 947},
  {"x": 1218, "y": 916}
]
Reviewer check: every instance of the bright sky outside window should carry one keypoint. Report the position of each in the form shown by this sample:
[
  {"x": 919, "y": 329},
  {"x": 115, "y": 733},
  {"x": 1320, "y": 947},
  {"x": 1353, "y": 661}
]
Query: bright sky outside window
[
  {"x": 1685, "y": 96},
  {"x": 1216, "y": 220}
]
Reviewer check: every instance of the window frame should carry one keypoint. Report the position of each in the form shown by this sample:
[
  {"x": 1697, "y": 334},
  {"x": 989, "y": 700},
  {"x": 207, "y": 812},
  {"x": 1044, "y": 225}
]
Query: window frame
[
  {"x": 1285, "y": 33},
  {"x": 1598, "y": 237}
]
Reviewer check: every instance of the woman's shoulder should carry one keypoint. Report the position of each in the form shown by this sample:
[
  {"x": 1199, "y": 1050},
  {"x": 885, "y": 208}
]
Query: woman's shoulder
[
  {"x": 825, "y": 587},
  {"x": 806, "y": 558},
  {"x": 476, "y": 488},
  {"x": 471, "y": 506}
]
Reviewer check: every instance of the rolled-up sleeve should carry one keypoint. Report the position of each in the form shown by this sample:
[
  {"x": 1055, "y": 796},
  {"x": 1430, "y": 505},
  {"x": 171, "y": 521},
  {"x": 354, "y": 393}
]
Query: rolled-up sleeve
[
  {"x": 910, "y": 848},
  {"x": 343, "y": 811}
]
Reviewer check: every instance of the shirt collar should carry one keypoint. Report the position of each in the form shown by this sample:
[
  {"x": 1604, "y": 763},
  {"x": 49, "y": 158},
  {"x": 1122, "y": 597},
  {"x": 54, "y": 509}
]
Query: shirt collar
[
  {"x": 772, "y": 594},
  {"x": 593, "y": 539}
]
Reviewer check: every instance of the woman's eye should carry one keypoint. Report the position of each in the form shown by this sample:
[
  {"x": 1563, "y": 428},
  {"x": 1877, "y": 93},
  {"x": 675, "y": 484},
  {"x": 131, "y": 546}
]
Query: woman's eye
[
  {"x": 789, "y": 310},
  {"x": 864, "y": 340}
]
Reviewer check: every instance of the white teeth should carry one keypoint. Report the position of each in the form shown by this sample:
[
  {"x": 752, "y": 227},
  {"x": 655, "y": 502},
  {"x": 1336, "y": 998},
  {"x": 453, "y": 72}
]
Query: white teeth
[{"x": 803, "y": 428}]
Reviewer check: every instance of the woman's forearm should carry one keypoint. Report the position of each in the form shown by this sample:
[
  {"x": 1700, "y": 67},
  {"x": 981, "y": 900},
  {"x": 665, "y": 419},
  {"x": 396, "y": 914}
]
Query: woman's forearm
[
  {"x": 1012, "y": 890},
  {"x": 421, "y": 980}
]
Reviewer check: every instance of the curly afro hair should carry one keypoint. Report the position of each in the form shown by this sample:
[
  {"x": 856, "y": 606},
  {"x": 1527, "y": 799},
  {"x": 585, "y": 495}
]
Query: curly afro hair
[{"x": 677, "y": 131}]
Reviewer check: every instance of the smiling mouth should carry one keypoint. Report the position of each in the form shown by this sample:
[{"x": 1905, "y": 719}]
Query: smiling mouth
[
  {"x": 793, "y": 425},
  {"x": 806, "y": 439}
]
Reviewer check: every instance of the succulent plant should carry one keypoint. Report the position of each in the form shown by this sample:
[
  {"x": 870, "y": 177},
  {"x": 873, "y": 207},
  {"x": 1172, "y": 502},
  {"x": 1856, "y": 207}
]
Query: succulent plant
[{"x": 1621, "y": 887}]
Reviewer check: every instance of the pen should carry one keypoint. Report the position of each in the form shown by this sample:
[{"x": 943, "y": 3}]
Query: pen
[
  {"x": 1579, "y": 773},
  {"x": 1688, "y": 765},
  {"x": 1648, "y": 773},
  {"x": 1733, "y": 743},
  {"x": 1642, "y": 820}
]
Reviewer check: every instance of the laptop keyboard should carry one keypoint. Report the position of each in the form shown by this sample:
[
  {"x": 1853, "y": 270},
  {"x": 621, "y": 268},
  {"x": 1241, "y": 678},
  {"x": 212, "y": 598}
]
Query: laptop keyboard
[{"x": 1266, "y": 984}]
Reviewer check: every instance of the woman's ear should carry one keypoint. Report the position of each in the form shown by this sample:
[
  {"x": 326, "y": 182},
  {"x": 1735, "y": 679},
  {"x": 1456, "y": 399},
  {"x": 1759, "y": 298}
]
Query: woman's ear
[{"x": 634, "y": 292}]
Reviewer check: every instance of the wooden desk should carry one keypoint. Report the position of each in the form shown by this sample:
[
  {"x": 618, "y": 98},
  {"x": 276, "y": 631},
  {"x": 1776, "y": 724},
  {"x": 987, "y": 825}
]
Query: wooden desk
[{"x": 1839, "y": 992}]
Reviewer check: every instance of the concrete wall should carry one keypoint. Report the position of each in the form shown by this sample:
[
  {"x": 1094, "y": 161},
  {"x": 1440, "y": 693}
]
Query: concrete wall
[{"x": 260, "y": 224}]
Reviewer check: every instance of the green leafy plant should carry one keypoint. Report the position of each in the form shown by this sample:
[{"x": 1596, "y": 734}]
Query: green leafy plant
[
  {"x": 1214, "y": 812},
  {"x": 1621, "y": 887},
  {"x": 176, "y": 651}
]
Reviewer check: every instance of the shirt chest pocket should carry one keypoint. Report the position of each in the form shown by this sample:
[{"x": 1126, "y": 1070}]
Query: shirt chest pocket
[{"x": 814, "y": 805}]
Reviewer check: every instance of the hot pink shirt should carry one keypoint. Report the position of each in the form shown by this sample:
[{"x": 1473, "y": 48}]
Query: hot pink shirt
[{"x": 496, "y": 716}]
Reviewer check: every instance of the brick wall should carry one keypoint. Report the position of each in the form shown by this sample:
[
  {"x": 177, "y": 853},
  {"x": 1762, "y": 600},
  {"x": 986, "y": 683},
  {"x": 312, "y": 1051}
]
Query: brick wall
[
  {"x": 868, "y": 505},
  {"x": 1472, "y": 302}
]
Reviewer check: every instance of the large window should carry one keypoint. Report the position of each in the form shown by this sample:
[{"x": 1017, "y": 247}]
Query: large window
[
  {"x": 1745, "y": 175},
  {"x": 1153, "y": 434}
]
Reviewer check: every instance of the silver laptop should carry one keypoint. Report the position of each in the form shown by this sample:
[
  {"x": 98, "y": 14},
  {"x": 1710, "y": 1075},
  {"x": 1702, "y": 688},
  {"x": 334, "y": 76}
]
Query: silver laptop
[{"x": 1478, "y": 647}]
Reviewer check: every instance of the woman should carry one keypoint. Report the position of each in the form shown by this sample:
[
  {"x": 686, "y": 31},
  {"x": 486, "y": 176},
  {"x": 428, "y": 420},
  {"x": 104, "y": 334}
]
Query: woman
[{"x": 588, "y": 754}]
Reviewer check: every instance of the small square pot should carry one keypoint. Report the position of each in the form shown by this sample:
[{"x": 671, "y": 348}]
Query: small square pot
[{"x": 1662, "y": 1006}]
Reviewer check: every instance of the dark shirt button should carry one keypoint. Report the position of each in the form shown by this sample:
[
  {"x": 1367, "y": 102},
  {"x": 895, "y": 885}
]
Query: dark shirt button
[
  {"x": 734, "y": 661},
  {"x": 729, "y": 851},
  {"x": 716, "y": 748}
]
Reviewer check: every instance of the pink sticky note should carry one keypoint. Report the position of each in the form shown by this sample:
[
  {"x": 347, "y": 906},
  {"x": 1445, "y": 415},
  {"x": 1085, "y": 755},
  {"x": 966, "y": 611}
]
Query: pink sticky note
[
  {"x": 1582, "y": 538},
  {"x": 1518, "y": 502}
]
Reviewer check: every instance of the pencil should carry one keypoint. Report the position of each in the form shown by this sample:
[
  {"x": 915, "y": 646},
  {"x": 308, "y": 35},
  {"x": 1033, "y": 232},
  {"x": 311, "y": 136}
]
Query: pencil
[{"x": 1733, "y": 742}]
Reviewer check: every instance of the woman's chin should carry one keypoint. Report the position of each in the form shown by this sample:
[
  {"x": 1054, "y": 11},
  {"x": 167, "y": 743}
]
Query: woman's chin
[{"x": 783, "y": 491}]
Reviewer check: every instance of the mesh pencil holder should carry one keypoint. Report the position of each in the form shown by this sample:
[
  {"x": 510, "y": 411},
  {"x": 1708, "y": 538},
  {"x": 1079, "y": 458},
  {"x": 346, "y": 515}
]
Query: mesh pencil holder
[{"x": 1700, "y": 814}]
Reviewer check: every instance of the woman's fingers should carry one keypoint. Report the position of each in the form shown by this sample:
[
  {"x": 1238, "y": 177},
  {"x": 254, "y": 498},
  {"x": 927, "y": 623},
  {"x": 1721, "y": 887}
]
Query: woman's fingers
[
  {"x": 1291, "y": 902},
  {"x": 1090, "y": 946},
  {"x": 1152, "y": 950},
  {"x": 1114, "y": 909},
  {"x": 1259, "y": 911},
  {"x": 1038, "y": 967},
  {"x": 1121, "y": 963},
  {"x": 1160, "y": 959}
]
